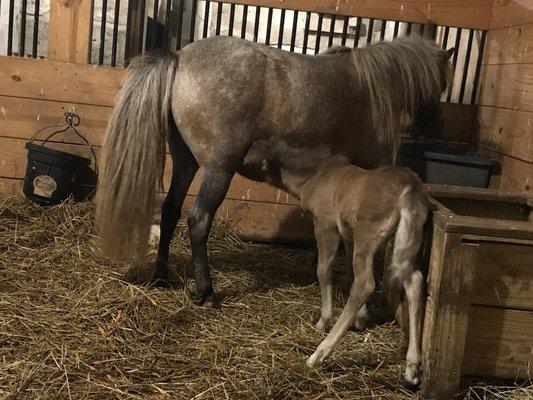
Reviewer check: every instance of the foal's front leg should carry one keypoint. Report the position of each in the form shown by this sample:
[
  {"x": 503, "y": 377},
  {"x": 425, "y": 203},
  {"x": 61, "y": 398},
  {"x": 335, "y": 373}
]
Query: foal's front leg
[{"x": 327, "y": 239}]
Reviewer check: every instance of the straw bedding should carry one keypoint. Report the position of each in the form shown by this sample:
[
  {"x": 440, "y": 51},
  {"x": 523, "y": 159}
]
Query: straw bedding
[{"x": 71, "y": 327}]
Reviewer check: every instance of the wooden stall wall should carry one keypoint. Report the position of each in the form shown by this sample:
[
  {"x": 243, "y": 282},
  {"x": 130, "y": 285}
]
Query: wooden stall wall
[
  {"x": 35, "y": 93},
  {"x": 505, "y": 111}
]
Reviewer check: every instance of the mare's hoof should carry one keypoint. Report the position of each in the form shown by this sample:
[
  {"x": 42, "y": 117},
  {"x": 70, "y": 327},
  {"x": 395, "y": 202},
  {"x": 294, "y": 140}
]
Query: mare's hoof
[{"x": 208, "y": 300}]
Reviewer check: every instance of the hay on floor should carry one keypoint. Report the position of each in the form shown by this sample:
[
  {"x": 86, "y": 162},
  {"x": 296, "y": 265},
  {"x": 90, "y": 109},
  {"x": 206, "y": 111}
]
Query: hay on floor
[{"x": 70, "y": 327}]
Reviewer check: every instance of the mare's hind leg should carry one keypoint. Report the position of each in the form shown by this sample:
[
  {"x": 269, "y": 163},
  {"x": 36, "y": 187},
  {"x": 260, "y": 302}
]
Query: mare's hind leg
[
  {"x": 184, "y": 167},
  {"x": 327, "y": 240},
  {"x": 215, "y": 183}
]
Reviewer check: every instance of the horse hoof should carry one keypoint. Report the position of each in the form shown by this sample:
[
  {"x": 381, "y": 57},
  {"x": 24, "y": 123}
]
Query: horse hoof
[
  {"x": 321, "y": 326},
  {"x": 412, "y": 377},
  {"x": 208, "y": 300}
]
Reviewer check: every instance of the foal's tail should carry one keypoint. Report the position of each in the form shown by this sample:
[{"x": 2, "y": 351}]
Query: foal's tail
[
  {"x": 133, "y": 156},
  {"x": 409, "y": 234}
]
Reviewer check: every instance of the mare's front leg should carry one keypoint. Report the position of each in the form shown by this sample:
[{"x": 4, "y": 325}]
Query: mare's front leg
[
  {"x": 215, "y": 183},
  {"x": 362, "y": 287},
  {"x": 327, "y": 240}
]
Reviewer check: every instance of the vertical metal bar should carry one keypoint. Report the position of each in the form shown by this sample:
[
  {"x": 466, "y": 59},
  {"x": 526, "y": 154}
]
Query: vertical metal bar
[
  {"x": 219, "y": 19},
  {"x": 357, "y": 32},
  {"x": 331, "y": 30},
  {"x": 294, "y": 28},
  {"x": 142, "y": 6},
  {"x": 244, "y": 21},
  {"x": 370, "y": 31},
  {"x": 446, "y": 36},
  {"x": 193, "y": 20},
  {"x": 37, "y": 10},
  {"x": 466, "y": 65},
  {"x": 231, "y": 19},
  {"x": 345, "y": 30},
  {"x": 306, "y": 32},
  {"x": 454, "y": 63},
  {"x": 256, "y": 23},
  {"x": 281, "y": 28},
  {"x": 156, "y": 10},
  {"x": 102, "y": 33},
  {"x": 396, "y": 28},
  {"x": 478, "y": 67},
  {"x": 115, "y": 34},
  {"x": 128, "y": 31},
  {"x": 22, "y": 42},
  {"x": 269, "y": 25},
  {"x": 166, "y": 28},
  {"x": 382, "y": 30},
  {"x": 433, "y": 32},
  {"x": 10, "y": 28},
  {"x": 421, "y": 29},
  {"x": 318, "y": 32},
  {"x": 179, "y": 27},
  {"x": 409, "y": 26},
  {"x": 206, "y": 18}
]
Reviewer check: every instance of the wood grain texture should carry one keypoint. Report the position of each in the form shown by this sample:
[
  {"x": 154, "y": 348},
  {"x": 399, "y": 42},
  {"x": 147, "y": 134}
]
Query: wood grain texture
[
  {"x": 505, "y": 131},
  {"x": 10, "y": 187},
  {"x": 504, "y": 275},
  {"x": 70, "y": 34},
  {"x": 510, "y": 13},
  {"x": 509, "y": 45},
  {"x": 13, "y": 160},
  {"x": 499, "y": 343},
  {"x": 465, "y": 13},
  {"x": 446, "y": 318},
  {"x": 507, "y": 86},
  {"x": 516, "y": 174},
  {"x": 59, "y": 81},
  {"x": 21, "y": 118}
]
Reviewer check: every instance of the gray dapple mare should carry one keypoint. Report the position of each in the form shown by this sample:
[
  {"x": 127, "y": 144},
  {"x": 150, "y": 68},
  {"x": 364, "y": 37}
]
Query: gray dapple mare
[{"x": 219, "y": 95}]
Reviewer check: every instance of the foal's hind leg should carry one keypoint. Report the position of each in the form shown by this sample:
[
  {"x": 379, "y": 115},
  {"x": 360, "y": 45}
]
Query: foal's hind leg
[
  {"x": 184, "y": 167},
  {"x": 361, "y": 289},
  {"x": 327, "y": 240},
  {"x": 215, "y": 183}
]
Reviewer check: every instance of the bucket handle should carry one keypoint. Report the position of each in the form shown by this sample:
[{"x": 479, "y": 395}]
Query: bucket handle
[{"x": 73, "y": 120}]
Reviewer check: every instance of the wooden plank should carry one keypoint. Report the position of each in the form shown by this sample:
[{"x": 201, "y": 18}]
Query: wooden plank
[
  {"x": 510, "y": 13},
  {"x": 58, "y": 81},
  {"x": 505, "y": 131},
  {"x": 509, "y": 45},
  {"x": 516, "y": 174},
  {"x": 464, "y": 192},
  {"x": 446, "y": 318},
  {"x": 463, "y": 13},
  {"x": 504, "y": 272},
  {"x": 507, "y": 86},
  {"x": 21, "y": 118},
  {"x": 9, "y": 187},
  {"x": 13, "y": 160},
  {"x": 499, "y": 343},
  {"x": 458, "y": 121},
  {"x": 265, "y": 221},
  {"x": 70, "y": 34}
]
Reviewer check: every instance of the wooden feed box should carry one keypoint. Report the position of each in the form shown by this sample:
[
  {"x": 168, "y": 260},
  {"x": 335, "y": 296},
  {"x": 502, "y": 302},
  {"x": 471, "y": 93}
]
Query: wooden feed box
[{"x": 479, "y": 311}]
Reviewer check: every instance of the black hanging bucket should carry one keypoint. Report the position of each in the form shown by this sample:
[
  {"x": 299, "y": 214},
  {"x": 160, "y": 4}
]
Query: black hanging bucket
[{"x": 53, "y": 175}]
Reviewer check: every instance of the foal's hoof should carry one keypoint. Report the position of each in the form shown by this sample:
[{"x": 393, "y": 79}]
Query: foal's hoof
[{"x": 412, "y": 376}]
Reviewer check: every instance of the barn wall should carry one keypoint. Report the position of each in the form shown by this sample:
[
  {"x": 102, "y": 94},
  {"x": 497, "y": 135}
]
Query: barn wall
[{"x": 505, "y": 97}]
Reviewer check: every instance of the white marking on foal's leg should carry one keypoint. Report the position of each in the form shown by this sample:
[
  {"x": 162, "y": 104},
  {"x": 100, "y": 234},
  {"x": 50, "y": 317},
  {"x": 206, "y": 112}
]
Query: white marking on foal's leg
[
  {"x": 413, "y": 290},
  {"x": 155, "y": 234}
]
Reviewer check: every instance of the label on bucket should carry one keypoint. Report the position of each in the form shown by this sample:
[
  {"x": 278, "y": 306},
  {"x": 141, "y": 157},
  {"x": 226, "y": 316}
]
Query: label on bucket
[{"x": 44, "y": 185}]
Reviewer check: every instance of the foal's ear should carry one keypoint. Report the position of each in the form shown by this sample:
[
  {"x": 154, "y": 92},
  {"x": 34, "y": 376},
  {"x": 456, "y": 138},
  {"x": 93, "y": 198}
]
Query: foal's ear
[{"x": 448, "y": 54}]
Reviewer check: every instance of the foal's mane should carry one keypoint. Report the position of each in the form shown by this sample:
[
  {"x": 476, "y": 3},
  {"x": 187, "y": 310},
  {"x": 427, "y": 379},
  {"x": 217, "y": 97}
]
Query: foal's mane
[{"x": 399, "y": 76}]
